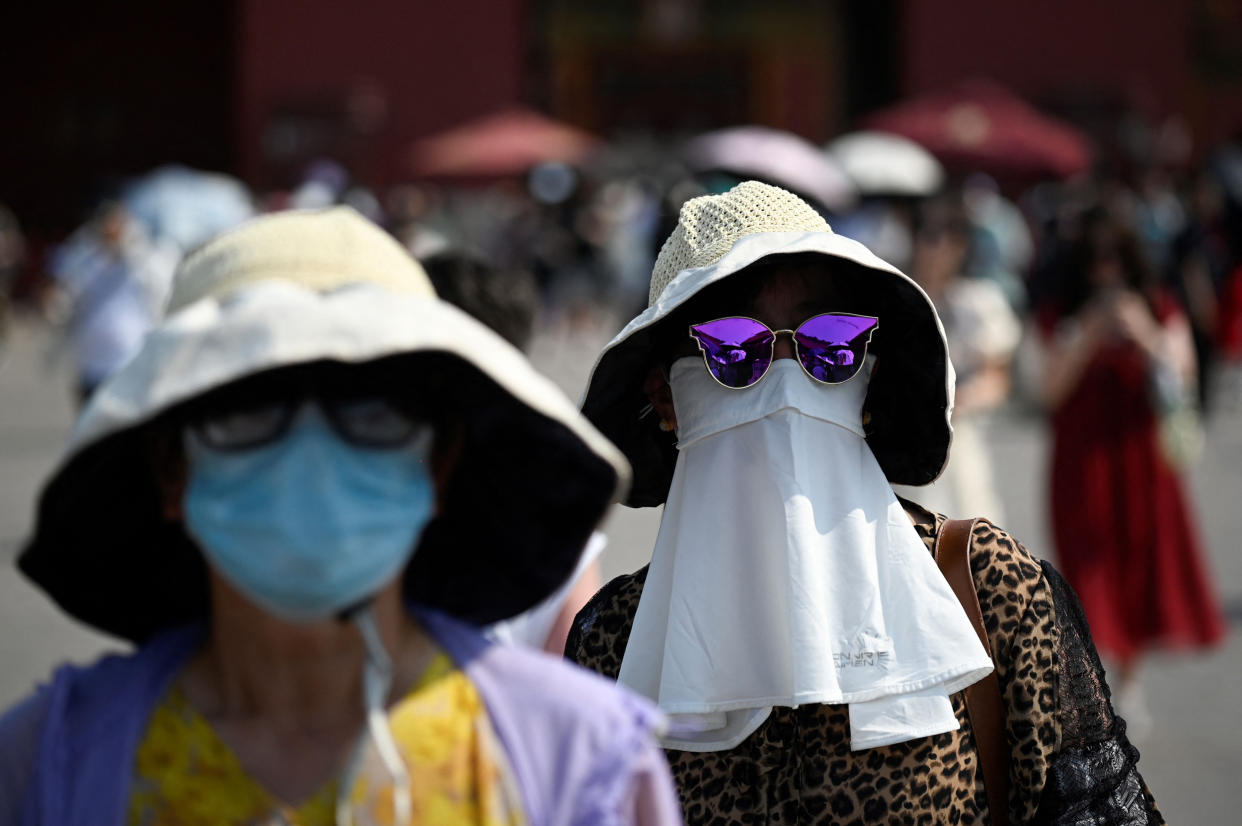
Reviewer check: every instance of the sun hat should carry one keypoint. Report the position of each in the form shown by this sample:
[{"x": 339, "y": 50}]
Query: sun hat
[
  {"x": 322, "y": 291},
  {"x": 910, "y": 397}
]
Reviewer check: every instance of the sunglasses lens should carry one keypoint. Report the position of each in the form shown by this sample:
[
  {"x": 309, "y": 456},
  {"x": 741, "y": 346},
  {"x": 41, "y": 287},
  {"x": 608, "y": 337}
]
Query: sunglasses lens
[
  {"x": 832, "y": 347},
  {"x": 738, "y": 351},
  {"x": 243, "y": 427},
  {"x": 371, "y": 422}
]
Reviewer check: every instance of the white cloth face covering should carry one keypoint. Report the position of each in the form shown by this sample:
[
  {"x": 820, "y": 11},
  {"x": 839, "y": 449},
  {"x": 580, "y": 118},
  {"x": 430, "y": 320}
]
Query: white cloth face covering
[{"x": 786, "y": 572}]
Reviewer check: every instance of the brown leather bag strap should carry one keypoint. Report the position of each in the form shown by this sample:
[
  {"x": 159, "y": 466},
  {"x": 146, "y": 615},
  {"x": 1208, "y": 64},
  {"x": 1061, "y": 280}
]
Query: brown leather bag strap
[{"x": 983, "y": 699}]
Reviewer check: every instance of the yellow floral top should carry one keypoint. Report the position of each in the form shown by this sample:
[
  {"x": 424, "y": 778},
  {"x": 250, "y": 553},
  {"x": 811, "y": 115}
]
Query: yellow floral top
[{"x": 186, "y": 776}]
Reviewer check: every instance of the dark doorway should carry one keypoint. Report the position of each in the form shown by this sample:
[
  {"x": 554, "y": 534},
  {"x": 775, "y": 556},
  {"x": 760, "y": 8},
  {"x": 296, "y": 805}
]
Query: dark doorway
[
  {"x": 96, "y": 92},
  {"x": 872, "y": 57}
]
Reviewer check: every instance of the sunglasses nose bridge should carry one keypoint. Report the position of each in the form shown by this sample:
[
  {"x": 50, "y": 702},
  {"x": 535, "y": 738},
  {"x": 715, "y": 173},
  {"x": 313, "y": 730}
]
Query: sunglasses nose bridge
[{"x": 783, "y": 347}]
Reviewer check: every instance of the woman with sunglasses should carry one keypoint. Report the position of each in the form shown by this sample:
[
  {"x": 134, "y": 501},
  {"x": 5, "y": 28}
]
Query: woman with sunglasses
[
  {"x": 793, "y": 623},
  {"x": 298, "y": 501}
]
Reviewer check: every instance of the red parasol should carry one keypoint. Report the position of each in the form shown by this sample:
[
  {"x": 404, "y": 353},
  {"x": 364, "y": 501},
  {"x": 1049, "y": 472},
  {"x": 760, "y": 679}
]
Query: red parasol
[
  {"x": 980, "y": 125},
  {"x": 509, "y": 142}
]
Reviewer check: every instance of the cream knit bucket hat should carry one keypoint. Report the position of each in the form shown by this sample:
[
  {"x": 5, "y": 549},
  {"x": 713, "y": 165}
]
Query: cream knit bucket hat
[
  {"x": 709, "y": 226},
  {"x": 910, "y": 397},
  {"x": 323, "y": 291}
]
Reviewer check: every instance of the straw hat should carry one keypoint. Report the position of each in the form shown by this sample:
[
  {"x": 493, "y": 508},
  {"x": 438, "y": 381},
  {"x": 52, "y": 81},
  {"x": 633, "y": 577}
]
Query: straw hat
[
  {"x": 315, "y": 289},
  {"x": 910, "y": 397}
]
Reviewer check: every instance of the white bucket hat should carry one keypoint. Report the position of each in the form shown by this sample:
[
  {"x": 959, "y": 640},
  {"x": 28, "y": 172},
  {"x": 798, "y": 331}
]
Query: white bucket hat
[
  {"x": 316, "y": 289},
  {"x": 910, "y": 397}
]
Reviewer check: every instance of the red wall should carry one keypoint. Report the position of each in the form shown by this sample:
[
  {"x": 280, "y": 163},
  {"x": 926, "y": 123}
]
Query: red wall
[
  {"x": 1136, "y": 45},
  {"x": 1062, "y": 49},
  {"x": 93, "y": 93},
  {"x": 433, "y": 62}
]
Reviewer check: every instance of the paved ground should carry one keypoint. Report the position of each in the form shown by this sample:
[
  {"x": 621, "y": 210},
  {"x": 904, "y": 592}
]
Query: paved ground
[
  {"x": 35, "y": 415},
  {"x": 1192, "y": 758}
]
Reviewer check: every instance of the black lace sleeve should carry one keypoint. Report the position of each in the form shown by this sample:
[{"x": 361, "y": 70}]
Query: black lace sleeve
[
  {"x": 602, "y": 604},
  {"x": 1093, "y": 779},
  {"x": 584, "y": 620},
  {"x": 601, "y": 630}
]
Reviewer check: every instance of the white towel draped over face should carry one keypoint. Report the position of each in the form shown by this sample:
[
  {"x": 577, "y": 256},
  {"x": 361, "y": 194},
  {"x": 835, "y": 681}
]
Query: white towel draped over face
[{"x": 786, "y": 572}]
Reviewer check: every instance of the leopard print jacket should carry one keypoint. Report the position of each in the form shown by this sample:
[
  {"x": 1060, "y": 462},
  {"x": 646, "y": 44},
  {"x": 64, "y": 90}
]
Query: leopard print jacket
[{"x": 1071, "y": 761}]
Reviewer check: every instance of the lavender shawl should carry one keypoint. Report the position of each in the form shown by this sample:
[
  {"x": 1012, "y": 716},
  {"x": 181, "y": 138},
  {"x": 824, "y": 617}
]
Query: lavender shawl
[{"x": 578, "y": 744}]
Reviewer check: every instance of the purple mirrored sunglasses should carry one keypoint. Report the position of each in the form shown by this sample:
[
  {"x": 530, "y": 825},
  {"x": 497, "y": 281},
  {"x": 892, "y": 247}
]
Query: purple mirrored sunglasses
[{"x": 830, "y": 347}]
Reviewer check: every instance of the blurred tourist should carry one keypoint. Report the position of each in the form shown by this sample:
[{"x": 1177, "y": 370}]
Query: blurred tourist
[
  {"x": 12, "y": 250},
  {"x": 1002, "y": 244},
  {"x": 12, "y": 258},
  {"x": 1118, "y": 379},
  {"x": 507, "y": 301},
  {"x": 187, "y": 207},
  {"x": 1159, "y": 216},
  {"x": 296, "y": 501},
  {"x": 883, "y": 225},
  {"x": 983, "y": 334},
  {"x": 1229, "y": 339},
  {"x": 1203, "y": 259},
  {"x": 113, "y": 280}
]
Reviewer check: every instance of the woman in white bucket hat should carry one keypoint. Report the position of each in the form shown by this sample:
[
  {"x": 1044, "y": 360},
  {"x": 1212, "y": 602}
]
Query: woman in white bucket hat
[
  {"x": 793, "y": 622},
  {"x": 297, "y": 501}
]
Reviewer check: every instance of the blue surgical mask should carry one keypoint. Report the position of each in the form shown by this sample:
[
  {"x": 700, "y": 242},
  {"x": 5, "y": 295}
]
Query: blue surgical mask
[{"x": 309, "y": 525}]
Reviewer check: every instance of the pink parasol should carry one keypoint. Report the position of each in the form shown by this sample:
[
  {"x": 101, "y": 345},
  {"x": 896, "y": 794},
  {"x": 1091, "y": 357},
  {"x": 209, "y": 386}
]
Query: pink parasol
[
  {"x": 508, "y": 142},
  {"x": 980, "y": 125},
  {"x": 776, "y": 157}
]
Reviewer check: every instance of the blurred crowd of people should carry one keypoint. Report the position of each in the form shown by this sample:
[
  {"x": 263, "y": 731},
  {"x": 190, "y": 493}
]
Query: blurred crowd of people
[
  {"x": 1108, "y": 297},
  {"x": 585, "y": 234},
  {"x": 1111, "y": 298}
]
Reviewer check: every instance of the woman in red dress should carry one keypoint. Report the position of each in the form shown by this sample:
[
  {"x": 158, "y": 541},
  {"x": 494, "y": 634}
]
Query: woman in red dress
[{"x": 1125, "y": 534}]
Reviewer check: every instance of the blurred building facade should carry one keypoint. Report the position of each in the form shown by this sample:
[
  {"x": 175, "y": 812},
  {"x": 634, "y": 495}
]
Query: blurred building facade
[{"x": 260, "y": 88}]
